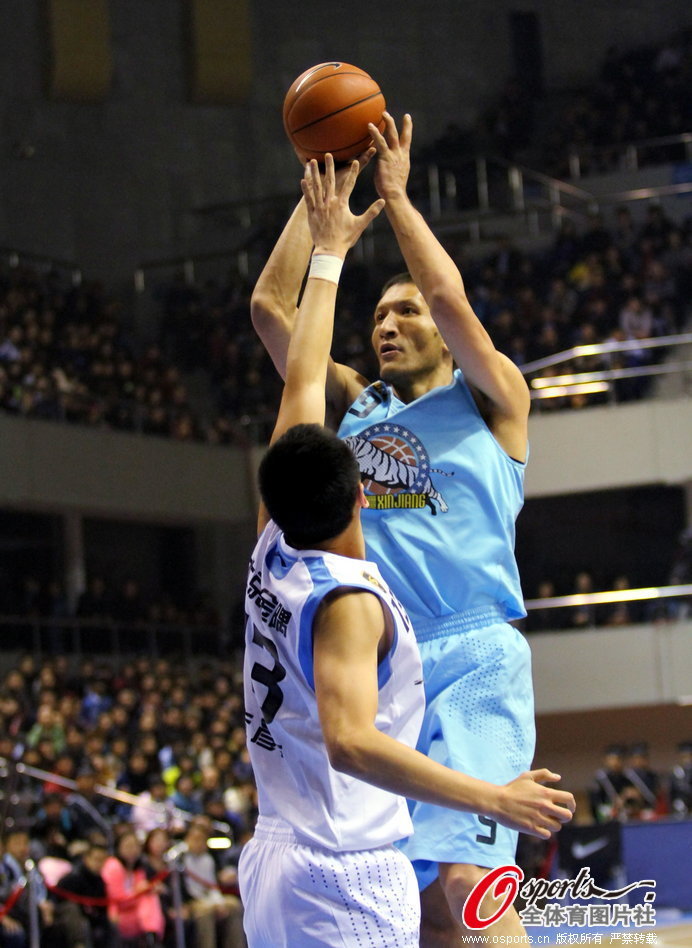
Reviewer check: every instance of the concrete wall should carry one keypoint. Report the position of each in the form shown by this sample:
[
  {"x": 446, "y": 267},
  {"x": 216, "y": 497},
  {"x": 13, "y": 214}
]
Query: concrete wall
[
  {"x": 111, "y": 184},
  {"x": 46, "y": 466},
  {"x": 620, "y": 446},
  {"x": 613, "y": 667},
  {"x": 62, "y": 467}
]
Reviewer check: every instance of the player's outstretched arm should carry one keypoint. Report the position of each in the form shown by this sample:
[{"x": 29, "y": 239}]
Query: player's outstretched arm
[
  {"x": 274, "y": 302},
  {"x": 439, "y": 280},
  {"x": 334, "y": 230},
  {"x": 349, "y": 636}
]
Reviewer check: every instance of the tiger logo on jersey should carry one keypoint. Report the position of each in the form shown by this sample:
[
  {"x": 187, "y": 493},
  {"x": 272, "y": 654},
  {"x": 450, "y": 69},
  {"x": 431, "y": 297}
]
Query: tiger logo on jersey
[{"x": 396, "y": 469}]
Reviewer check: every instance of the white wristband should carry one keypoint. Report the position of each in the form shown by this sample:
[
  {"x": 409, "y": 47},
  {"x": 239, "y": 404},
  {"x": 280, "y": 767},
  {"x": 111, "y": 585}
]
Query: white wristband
[{"x": 326, "y": 266}]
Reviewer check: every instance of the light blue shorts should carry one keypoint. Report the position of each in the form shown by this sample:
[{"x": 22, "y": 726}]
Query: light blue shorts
[{"x": 479, "y": 719}]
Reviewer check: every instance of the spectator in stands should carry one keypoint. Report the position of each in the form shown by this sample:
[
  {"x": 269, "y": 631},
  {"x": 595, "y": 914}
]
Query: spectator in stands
[
  {"x": 15, "y": 717},
  {"x": 656, "y": 228},
  {"x": 214, "y": 912},
  {"x": 154, "y": 809},
  {"x": 566, "y": 248},
  {"x": 156, "y": 845},
  {"x": 14, "y": 867},
  {"x": 645, "y": 780},
  {"x": 622, "y": 613},
  {"x": 135, "y": 778},
  {"x": 582, "y": 616},
  {"x": 609, "y": 783},
  {"x": 135, "y": 907},
  {"x": 680, "y": 788},
  {"x": 185, "y": 797},
  {"x": 88, "y": 810},
  {"x": 596, "y": 238},
  {"x": 633, "y": 806},
  {"x": 85, "y": 924},
  {"x": 128, "y": 604},
  {"x": 545, "y": 620},
  {"x": 52, "y": 818},
  {"x": 625, "y": 234},
  {"x": 94, "y": 602},
  {"x": 49, "y": 727},
  {"x": 12, "y": 933}
]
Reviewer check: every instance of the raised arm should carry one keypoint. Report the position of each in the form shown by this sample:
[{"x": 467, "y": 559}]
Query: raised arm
[
  {"x": 348, "y": 633},
  {"x": 274, "y": 300},
  {"x": 334, "y": 230},
  {"x": 438, "y": 279},
  {"x": 275, "y": 297}
]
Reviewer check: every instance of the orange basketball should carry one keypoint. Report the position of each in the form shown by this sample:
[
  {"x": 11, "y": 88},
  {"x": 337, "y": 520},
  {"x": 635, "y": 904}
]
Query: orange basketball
[{"x": 328, "y": 108}]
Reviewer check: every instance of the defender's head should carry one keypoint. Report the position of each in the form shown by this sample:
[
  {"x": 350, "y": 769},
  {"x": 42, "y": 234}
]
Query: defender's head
[{"x": 309, "y": 481}]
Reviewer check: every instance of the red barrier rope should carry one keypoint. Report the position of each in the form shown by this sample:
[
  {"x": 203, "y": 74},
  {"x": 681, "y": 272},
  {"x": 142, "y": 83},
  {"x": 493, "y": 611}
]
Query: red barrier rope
[
  {"x": 90, "y": 900},
  {"x": 11, "y": 899},
  {"x": 226, "y": 890},
  {"x": 205, "y": 882}
]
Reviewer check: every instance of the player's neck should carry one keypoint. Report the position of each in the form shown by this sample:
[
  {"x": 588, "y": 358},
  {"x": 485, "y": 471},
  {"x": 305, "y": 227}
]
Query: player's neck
[
  {"x": 408, "y": 388},
  {"x": 349, "y": 543}
]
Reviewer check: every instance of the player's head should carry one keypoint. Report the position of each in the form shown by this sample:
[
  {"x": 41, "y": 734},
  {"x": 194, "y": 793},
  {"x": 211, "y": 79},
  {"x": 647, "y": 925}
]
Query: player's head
[
  {"x": 405, "y": 338},
  {"x": 309, "y": 481}
]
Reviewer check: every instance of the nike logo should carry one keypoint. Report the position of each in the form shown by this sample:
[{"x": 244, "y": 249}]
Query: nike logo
[{"x": 582, "y": 850}]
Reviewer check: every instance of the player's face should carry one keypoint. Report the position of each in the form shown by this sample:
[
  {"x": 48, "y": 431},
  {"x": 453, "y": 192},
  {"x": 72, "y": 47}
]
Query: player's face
[{"x": 406, "y": 340}]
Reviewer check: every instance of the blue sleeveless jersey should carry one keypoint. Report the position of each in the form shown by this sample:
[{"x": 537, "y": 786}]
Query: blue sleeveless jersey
[{"x": 443, "y": 498}]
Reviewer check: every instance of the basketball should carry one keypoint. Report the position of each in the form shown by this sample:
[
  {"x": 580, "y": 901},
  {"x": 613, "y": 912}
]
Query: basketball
[{"x": 327, "y": 109}]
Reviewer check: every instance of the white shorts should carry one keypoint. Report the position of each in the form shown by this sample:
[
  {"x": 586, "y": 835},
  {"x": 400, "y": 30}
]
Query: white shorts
[{"x": 298, "y": 896}]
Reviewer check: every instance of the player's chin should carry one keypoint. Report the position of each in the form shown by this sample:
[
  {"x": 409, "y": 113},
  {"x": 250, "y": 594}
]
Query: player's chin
[{"x": 390, "y": 373}]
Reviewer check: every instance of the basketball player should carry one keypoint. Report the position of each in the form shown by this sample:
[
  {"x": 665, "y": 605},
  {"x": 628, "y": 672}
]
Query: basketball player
[
  {"x": 333, "y": 683},
  {"x": 442, "y": 453}
]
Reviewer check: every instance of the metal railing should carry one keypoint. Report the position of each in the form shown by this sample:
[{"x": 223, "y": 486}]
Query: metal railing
[
  {"x": 598, "y": 380},
  {"x": 93, "y": 411},
  {"x": 12, "y": 772},
  {"x": 462, "y": 197},
  {"x": 42, "y": 262},
  {"x": 613, "y": 596},
  {"x": 501, "y": 186},
  {"x": 105, "y": 637},
  {"x": 628, "y": 155}
]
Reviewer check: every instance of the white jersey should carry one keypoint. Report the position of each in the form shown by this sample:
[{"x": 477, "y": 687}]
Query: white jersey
[{"x": 297, "y": 786}]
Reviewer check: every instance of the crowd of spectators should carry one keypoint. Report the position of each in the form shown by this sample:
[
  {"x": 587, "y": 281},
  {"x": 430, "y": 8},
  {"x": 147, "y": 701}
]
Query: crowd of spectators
[
  {"x": 639, "y": 94},
  {"x": 618, "y": 280},
  {"x": 171, "y": 740},
  {"x": 64, "y": 354},
  {"x": 625, "y": 612},
  {"x": 627, "y": 788},
  {"x": 136, "y": 616},
  {"x": 67, "y": 352},
  {"x": 102, "y": 600},
  {"x": 130, "y": 770}
]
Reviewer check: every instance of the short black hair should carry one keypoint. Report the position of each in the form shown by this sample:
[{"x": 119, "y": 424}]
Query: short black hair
[
  {"x": 403, "y": 277},
  {"x": 309, "y": 481}
]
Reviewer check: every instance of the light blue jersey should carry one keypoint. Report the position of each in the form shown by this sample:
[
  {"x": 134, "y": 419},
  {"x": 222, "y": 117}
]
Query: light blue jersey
[{"x": 443, "y": 497}]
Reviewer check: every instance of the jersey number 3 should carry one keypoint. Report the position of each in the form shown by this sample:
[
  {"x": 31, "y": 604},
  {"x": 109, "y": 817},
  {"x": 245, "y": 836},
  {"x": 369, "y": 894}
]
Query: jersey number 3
[{"x": 269, "y": 677}]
